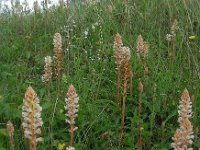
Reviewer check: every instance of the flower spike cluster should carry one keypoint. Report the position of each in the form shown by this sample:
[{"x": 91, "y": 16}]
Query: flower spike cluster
[
  {"x": 31, "y": 114},
  {"x": 183, "y": 137}
]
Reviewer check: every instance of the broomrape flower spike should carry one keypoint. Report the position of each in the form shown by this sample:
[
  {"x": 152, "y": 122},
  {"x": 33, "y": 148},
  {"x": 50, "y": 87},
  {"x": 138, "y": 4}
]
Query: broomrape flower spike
[
  {"x": 140, "y": 46},
  {"x": 47, "y": 73},
  {"x": 47, "y": 69},
  {"x": 183, "y": 138},
  {"x": 57, "y": 42},
  {"x": 127, "y": 84},
  {"x": 32, "y": 121},
  {"x": 72, "y": 109},
  {"x": 10, "y": 129},
  {"x": 118, "y": 60}
]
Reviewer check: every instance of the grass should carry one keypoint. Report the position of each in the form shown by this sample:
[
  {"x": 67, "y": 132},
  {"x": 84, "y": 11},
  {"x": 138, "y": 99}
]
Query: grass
[{"x": 89, "y": 65}]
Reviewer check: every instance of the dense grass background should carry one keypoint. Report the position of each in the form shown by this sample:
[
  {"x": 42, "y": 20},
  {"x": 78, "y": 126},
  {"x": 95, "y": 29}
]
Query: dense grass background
[{"x": 88, "y": 64}]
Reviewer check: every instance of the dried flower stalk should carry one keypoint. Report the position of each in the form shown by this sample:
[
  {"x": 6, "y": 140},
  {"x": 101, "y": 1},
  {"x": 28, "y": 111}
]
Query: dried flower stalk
[
  {"x": 47, "y": 73},
  {"x": 32, "y": 121},
  {"x": 10, "y": 129},
  {"x": 57, "y": 42},
  {"x": 183, "y": 138},
  {"x": 127, "y": 77},
  {"x": 118, "y": 60},
  {"x": 72, "y": 109}
]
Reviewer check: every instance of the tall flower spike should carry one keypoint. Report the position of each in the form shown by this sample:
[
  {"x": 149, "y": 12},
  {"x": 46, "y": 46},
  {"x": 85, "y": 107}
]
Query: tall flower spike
[
  {"x": 183, "y": 137},
  {"x": 140, "y": 46},
  {"x": 118, "y": 60},
  {"x": 47, "y": 69},
  {"x": 32, "y": 121},
  {"x": 57, "y": 42},
  {"x": 47, "y": 73},
  {"x": 72, "y": 109},
  {"x": 146, "y": 50},
  {"x": 127, "y": 78},
  {"x": 10, "y": 129}
]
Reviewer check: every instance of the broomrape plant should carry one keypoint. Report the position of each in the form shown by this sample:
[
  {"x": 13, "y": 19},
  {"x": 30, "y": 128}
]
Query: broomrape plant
[
  {"x": 57, "y": 42},
  {"x": 183, "y": 137},
  {"x": 47, "y": 72},
  {"x": 32, "y": 121},
  {"x": 72, "y": 108},
  {"x": 10, "y": 129}
]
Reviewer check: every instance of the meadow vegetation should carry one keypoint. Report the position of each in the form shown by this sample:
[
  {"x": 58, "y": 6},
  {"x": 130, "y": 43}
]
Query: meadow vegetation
[{"x": 86, "y": 75}]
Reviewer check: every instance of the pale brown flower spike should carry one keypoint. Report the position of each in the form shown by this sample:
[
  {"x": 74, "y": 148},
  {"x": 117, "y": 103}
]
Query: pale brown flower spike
[
  {"x": 127, "y": 77},
  {"x": 10, "y": 129},
  {"x": 118, "y": 60},
  {"x": 140, "y": 46},
  {"x": 47, "y": 73},
  {"x": 183, "y": 138},
  {"x": 72, "y": 110},
  {"x": 57, "y": 42},
  {"x": 32, "y": 121},
  {"x": 142, "y": 54}
]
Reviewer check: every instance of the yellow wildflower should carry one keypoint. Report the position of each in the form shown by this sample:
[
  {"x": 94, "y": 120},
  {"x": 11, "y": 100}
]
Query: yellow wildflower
[
  {"x": 74, "y": 37},
  {"x": 61, "y": 146},
  {"x": 28, "y": 37},
  {"x": 192, "y": 37}
]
